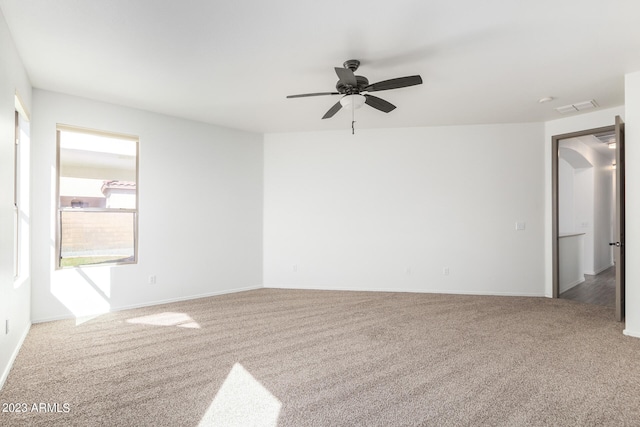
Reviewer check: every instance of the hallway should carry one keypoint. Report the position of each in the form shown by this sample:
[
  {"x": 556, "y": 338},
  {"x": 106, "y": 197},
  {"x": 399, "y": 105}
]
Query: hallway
[{"x": 599, "y": 289}]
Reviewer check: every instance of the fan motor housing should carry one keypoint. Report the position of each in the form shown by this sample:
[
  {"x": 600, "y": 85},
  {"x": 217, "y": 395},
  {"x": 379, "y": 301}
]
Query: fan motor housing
[{"x": 348, "y": 89}]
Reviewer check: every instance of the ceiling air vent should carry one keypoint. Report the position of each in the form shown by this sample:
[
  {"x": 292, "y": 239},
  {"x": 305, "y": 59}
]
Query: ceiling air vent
[
  {"x": 566, "y": 109},
  {"x": 606, "y": 137},
  {"x": 578, "y": 106}
]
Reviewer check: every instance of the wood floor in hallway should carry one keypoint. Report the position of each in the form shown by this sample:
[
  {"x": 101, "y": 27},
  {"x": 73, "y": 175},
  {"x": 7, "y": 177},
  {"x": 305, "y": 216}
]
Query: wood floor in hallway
[{"x": 599, "y": 289}]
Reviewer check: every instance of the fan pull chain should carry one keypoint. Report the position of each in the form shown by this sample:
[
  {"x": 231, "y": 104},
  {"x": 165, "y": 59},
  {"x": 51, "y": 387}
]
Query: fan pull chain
[{"x": 353, "y": 120}]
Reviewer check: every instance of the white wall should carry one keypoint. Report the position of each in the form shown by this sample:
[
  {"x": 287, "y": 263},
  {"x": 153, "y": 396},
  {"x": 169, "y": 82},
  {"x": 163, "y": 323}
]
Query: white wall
[
  {"x": 390, "y": 209},
  {"x": 14, "y": 295},
  {"x": 571, "y": 253},
  {"x": 584, "y": 220},
  {"x": 599, "y": 118},
  {"x": 200, "y": 217},
  {"x": 576, "y": 204},
  {"x": 632, "y": 212},
  {"x": 592, "y": 197},
  {"x": 604, "y": 198},
  {"x": 566, "y": 205}
]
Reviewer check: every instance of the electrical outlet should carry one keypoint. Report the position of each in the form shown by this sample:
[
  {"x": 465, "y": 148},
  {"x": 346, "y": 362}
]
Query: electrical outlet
[
  {"x": 152, "y": 279},
  {"x": 445, "y": 271},
  {"x": 295, "y": 268},
  {"x": 408, "y": 271}
]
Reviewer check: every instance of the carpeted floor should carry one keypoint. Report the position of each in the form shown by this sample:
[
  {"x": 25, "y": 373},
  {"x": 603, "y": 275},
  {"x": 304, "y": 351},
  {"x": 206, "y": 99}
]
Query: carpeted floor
[{"x": 325, "y": 358}]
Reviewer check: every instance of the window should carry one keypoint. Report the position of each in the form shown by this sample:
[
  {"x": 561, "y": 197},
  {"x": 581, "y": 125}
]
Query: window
[
  {"x": 97, "y": 221},
  {"x": 21, "y": 248},
  {"x": 16, "y": 207}
]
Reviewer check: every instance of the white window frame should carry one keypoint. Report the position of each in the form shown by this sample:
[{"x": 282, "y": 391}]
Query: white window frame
[
  {"x": 59, "y": 209},
  {"x": 17, "y": 246},
  {"x": 21, "y": 195}
]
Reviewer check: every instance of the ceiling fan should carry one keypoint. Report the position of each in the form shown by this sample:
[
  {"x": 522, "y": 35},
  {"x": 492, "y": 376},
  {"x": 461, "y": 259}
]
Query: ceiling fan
[{"x": 355, "y": 89}]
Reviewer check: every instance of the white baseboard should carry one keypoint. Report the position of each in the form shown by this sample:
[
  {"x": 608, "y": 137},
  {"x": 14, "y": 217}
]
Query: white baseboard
[
  {"x": 415, "y": 291},
  {"x": 5, "y": 373},
  {"x": 186, "y": 298},
  {"x": 150, "y": 303},
  {"x": 600, "y": 270},
  {"x": 630, "y": 333},
  {"x": 565, "y": 288}
]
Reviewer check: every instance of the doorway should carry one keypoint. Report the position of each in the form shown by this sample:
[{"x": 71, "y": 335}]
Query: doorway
[{"x": 588, "y": 216}]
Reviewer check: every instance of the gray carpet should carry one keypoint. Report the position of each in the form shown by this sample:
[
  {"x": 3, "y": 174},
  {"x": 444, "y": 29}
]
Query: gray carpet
[{"x": 325, "y": 358}]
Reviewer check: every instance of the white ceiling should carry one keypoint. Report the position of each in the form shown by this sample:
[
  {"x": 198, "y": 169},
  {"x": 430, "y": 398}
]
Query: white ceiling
[
  {"x": 600, "y": 147},
  {"x": 577, "y": 160},
  {"x": 232, "y": 63}
]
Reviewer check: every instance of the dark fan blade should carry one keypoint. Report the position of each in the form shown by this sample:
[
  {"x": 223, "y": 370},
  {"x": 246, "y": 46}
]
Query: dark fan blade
[
  {"x": 394, "y": 83},
  {"x": 333, "y": 110},
  {"x": 302, "y": 95},
  {"x": 379, "y": 103},
  {"x": 346, "y": 76}
]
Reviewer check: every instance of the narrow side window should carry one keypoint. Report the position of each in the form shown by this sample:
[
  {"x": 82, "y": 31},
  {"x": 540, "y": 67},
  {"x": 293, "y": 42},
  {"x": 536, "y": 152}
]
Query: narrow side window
[{"x": 21, "y": 194}]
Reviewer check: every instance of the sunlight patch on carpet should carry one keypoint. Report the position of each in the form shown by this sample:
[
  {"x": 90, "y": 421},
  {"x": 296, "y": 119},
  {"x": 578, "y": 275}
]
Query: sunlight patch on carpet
[
  {"x": 181, "y": 320},
  {"x": 242, "y": 401}
]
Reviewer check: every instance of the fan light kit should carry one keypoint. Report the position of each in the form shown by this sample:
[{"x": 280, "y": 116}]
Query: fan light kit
[
  {"x": 353, "y": 101},
  {"x": 355, "y": 91}
]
